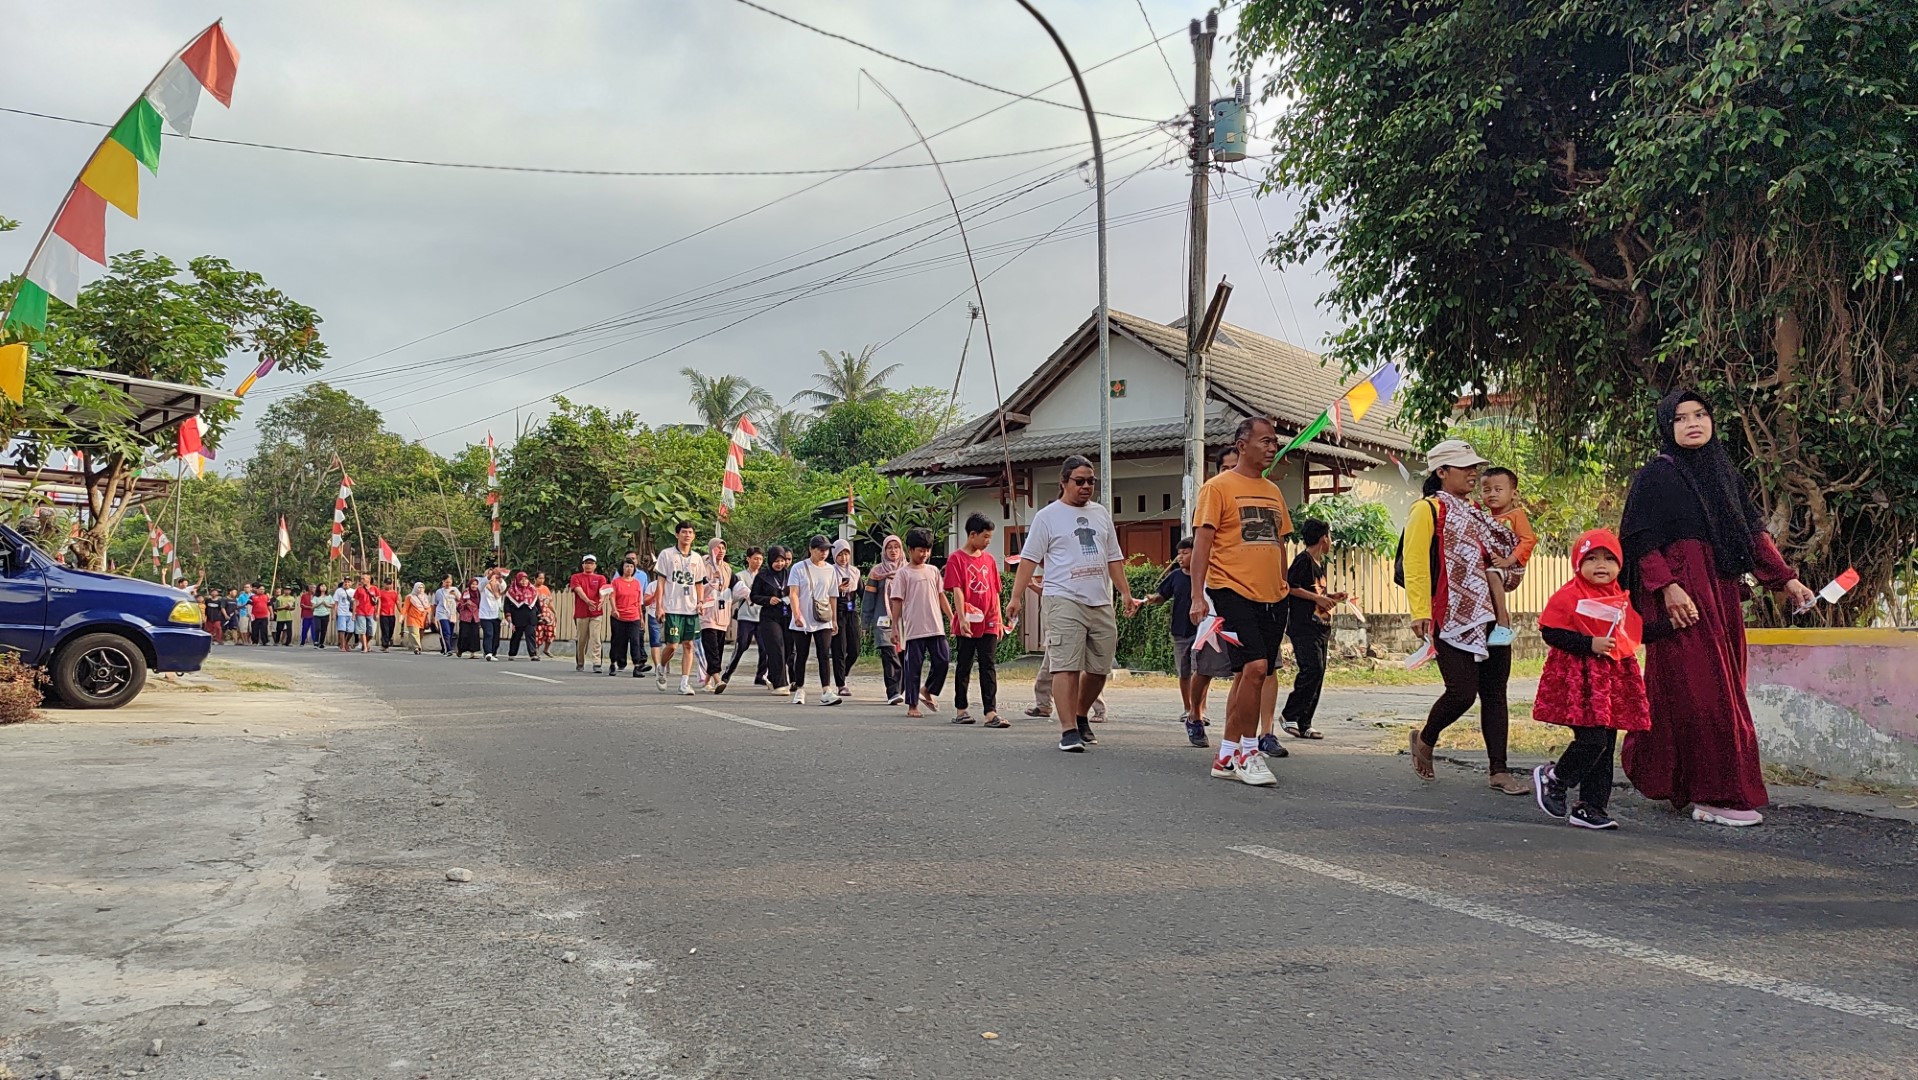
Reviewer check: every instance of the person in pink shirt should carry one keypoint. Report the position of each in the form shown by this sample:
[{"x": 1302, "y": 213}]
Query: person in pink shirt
[
  {"x": 972, "y": 577},
  {"x": 917, "y": 599}
]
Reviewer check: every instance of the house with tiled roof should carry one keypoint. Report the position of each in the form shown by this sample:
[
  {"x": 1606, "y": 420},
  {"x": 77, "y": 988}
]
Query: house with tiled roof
[{"x": 1055, "y": 413}]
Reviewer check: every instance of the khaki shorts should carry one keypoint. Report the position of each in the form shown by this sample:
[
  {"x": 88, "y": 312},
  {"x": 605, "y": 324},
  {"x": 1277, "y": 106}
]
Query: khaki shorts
[{"x": 1080, "y": 637}]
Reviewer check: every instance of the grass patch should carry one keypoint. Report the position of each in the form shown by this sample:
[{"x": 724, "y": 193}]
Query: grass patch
[{"x": 246, "y": 679}]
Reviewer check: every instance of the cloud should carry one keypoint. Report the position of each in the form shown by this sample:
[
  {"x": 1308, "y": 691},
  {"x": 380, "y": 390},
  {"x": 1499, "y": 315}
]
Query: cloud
[{"x": 392, "y": 253}]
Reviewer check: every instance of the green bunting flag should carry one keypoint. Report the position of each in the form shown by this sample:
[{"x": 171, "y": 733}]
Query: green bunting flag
[{"x": 1311, "y": 431}]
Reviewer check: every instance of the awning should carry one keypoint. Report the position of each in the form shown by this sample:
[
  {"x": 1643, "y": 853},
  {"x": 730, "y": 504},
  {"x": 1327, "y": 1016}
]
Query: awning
[{"x": 160, "y": 405}]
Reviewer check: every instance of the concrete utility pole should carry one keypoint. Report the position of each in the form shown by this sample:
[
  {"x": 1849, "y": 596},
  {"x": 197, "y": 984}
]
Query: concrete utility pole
[{"x": 1202, "y": 39}]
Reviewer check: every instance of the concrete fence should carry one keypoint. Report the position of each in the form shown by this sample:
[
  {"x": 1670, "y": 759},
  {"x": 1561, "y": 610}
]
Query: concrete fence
[{"x": 1841, "y": 703}]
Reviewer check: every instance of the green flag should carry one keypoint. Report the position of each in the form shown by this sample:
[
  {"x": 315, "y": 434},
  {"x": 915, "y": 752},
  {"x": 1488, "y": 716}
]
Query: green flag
[{"x": 1311, "y": 432}]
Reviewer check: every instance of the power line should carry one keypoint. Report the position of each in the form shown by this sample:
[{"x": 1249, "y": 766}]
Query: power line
[
  {"x": 1157, "y": 41},
  {"x": 855, "y": 43},
  {"x": 553, "y": 171}
]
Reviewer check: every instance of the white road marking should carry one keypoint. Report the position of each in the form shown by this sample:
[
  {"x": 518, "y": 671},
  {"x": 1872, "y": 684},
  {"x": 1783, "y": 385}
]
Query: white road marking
[
  {"x": 523, "y": 675},
  {"x": 1803, "y": 993},
  {"x": 737, "y": 719}
]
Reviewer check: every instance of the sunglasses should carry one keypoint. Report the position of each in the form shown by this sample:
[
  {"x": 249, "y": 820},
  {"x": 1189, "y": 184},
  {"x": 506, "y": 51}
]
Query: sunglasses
[{"x": 1082, "y": 481}]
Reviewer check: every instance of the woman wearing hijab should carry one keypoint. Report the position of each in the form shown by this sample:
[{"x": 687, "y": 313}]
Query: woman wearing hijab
[
  {"x": 770, "y": 590},
  {"x": 1448, "y": 545},
  {"x": 522, "y": 612},
  {"x": 892, "y": 556},
  {"x": 845, "y": 636},
  {"x": 469, "y": 625},
  {"x": 1691, "y": 534},
  {"x": 417, "y": 610}
]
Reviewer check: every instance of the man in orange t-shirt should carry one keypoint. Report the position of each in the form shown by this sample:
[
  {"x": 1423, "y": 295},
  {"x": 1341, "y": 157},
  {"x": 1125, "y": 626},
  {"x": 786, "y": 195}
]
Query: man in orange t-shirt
[{"x": 1238, "y": 551}]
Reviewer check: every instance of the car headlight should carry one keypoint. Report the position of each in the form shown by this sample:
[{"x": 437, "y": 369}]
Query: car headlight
[{"x": 186, "y": 611}]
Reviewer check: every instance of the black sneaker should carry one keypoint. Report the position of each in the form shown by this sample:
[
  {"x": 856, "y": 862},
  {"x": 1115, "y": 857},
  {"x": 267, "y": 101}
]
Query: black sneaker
[
  {"x": 1549, "y": 792},
  {"x": 1270, "y": 746},
  {"x": 1085, "y": 733},
  {"x": 1072, "y": 742},
  {"x": 1195, "y": 733},
  {"x": 1587, "y": 818}
]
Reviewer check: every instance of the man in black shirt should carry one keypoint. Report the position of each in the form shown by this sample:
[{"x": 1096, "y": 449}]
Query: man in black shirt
[{"x": 1309, "y": 626}]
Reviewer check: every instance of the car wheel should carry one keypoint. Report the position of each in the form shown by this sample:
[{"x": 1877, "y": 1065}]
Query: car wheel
[{"x": 99, "y": 671}]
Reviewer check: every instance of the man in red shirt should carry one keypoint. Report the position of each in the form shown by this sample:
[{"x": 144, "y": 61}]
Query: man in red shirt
[
  {"x": 260, "y": 607},
  {"x": 366, "y": 611},
  {"x": 972, "y": 576},
  {"x": 587, "y": 585},
  {"x": 389, "y": 612}
]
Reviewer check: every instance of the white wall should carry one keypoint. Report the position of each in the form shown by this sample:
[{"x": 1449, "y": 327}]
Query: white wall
[{"x": 1155, "y": 391}]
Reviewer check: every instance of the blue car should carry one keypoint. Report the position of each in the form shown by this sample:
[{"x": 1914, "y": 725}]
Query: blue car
[{"x": 97, "y": 635}]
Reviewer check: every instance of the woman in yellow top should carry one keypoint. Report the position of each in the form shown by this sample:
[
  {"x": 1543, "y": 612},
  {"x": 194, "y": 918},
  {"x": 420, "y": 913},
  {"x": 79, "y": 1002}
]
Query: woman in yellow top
[{"x": 1448, "y": 544}]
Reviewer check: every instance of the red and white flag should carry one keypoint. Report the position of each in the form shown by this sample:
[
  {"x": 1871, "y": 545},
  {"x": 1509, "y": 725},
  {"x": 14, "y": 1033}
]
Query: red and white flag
[
  {"x": 192, "y": 447},
  {"x": 742, "y": 441},
  {"x": 285, "y": 547},
  {"x": 1835, "y": 591},
  {"x": 336, "y": 544},
  {"x": 492, "y": 488},
  {"x": 387, "y": 556}
]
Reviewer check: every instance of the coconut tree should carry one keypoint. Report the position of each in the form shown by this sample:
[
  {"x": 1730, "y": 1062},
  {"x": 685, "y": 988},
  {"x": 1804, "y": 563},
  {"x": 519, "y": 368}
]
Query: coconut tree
[
  {"x": 781, "y": 429},
  {"x": 720, "y": 400},
  {"x": 847, "y": 378}
]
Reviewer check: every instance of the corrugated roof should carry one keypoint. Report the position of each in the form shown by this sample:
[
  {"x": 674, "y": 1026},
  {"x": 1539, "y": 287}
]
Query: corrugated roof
[{"x": 1128, "y": 439}]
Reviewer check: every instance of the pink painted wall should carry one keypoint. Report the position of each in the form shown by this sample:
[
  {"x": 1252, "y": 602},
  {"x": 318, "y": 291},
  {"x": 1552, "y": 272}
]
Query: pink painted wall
[{"x": 1841, "y": 709}]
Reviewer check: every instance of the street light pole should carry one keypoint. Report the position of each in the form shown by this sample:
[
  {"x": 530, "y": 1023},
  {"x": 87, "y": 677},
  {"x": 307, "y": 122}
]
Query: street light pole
[{"x": 1105, "y": 322}]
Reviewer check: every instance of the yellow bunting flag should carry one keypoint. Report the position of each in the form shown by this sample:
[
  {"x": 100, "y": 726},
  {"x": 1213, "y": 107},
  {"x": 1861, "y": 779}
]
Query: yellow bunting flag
[
  {"x": 114, "y": 175},
  {"x": 13, "y": 371}
]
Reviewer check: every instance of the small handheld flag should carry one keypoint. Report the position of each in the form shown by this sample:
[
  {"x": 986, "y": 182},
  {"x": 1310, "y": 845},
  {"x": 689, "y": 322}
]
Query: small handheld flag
[
  {"x": 1421, "y": 655},
  {"x": 1833, "y": 592}
]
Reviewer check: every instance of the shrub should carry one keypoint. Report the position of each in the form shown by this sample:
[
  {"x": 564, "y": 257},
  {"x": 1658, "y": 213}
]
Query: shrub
[{"x": 19, "y": 690}]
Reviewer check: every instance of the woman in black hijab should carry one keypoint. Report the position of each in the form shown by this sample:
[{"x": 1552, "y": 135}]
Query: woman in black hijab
[{"x": 1691, "y": 534}]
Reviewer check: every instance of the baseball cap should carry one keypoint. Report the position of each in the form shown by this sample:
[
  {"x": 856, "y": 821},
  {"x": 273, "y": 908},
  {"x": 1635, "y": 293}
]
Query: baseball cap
[
  {"x": 1452, "y": 453},
  {"x": 589, "y": 557}
]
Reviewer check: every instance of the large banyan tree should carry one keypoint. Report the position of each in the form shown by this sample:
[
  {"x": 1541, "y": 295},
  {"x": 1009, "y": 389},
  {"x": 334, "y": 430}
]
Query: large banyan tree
[{"x": 1583, "y": 203}]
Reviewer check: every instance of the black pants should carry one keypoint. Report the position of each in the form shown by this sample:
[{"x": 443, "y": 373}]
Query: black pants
[
  {"x": 772, "y": 650},
  {"x": 845, "y": 645},
  {"x": 1587, "y": 765},
  {"x": 628, "y": 644},
  {"x": 282, "y": 633},
  {"x": 489, "y": 636},
  {"x": 747, "y": 632},
  {"x": 985, "y": 650},
  {"x": 918, "y": 650},
  {"x": 258, "y": 632},
  {"x": 890, "y": 666},
  {"x": 712, "y": 644},
  {"x": 1310, "y": 642},
  {"x": 820, "y": 643},
  {"x": 1468, "y": 679},
  {"x": 525, "y": 626},
  {"x": 387, "y": 623}
]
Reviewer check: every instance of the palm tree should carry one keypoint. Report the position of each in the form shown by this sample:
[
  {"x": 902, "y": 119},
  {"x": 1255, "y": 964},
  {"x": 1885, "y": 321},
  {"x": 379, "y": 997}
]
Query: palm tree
[
  {"x": 781, "y": 429},
  {"x": 723, "y": 399},
  {"x": 847, "y": 378}
]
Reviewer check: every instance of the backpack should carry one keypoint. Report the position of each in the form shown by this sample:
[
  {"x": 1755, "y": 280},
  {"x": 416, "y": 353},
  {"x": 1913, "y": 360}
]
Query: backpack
[{"x": 1398, "y": 557}]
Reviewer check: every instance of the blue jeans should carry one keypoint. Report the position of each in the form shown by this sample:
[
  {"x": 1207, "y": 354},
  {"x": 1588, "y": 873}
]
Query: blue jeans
[
  {"x": 447, "y": 636},
  {"x": 489, "y": 636}
]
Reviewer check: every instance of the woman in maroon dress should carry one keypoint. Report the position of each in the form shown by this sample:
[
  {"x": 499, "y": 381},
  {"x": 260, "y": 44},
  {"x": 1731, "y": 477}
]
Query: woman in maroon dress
[{"x": 1691, "y": 534}]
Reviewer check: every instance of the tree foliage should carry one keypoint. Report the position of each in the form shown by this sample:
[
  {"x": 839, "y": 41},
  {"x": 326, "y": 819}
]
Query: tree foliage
[
  {"x": 1587, "y": 202},
  {"x": 847, "y": 378},
  {"x": 1355, "y": 525},
  {"x": 854, "y": 432},
  {"x": 720, "y": 400}
]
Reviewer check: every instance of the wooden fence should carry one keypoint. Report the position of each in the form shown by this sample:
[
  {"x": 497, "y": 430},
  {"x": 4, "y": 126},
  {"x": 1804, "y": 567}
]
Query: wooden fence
[{"x": 1369, "y": 579}]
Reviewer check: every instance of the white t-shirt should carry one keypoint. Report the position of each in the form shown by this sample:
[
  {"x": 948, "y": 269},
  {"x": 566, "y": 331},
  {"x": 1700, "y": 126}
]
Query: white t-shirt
[
  {"x": 677, "y": 575},
  {"x": 490, "y": 602},
  {"x": 812, "y": 579},
  {"x": 1072, "y": 546}
]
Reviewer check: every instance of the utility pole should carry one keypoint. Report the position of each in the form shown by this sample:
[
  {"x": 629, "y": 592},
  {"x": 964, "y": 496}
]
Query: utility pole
[{"x": 1202, "y": 39}]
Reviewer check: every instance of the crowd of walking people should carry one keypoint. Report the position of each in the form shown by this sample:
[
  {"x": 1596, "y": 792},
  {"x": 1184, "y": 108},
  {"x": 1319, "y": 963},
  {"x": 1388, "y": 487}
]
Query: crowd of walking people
[{"x": 1671, "y": 578}]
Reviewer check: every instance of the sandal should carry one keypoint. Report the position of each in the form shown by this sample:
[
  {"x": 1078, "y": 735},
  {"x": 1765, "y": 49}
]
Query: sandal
[
  {"x": 993, "y": 721},
  {"x": 1421, "y": 757},
  {"x": 1311, "y": 733},
  {"x": 1509, "y": 784},
  {"x": 962, "y": 718},
  {"x": 1291, "y": 729},
  {"x": 931, "y": 703}
]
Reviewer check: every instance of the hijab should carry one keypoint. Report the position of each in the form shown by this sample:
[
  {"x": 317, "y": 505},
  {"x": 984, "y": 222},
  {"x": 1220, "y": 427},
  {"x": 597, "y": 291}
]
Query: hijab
[
  {"x": 889, "y": 563},
  {"x": 1694, "y": 494},
  {"x": 521, "y": 591},
  {"x": 1595, "y": 610},
  {"x": 848, "y": 574}
]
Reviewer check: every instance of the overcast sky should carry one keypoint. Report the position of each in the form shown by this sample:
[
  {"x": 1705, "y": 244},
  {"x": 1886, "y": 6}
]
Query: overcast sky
[{"x": 392, "y": 253}]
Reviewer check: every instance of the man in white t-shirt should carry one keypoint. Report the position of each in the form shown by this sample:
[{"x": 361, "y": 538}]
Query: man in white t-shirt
[
  {"x": 682, "y": 575},
  {"x": 1072, "y": 542}
]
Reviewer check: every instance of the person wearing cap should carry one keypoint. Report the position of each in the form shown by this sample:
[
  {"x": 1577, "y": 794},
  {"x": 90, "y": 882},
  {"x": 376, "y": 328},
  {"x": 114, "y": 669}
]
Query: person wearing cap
[
  {"x": 1448, "y": 544},
  {"x": 587, "y": 585}
]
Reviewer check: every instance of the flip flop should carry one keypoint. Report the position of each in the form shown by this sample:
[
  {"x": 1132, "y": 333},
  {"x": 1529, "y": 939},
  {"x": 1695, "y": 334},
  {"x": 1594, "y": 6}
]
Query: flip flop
[
  {"x": 962, "y": 718},
  {"x": 993, "y": 721},
  {"x": 1421, "y": 757}
]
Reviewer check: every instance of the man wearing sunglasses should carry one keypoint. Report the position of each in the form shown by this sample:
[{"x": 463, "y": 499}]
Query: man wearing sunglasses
[
  {"x": 1239, "y": 530},
  {"x": 1073, "y": 543}
]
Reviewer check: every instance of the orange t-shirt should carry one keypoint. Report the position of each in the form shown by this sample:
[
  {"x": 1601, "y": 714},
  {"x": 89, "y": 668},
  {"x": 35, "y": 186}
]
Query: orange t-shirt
[
  {"x": 1521, "y": 526},
  {"x": 1250, "y": 523}
]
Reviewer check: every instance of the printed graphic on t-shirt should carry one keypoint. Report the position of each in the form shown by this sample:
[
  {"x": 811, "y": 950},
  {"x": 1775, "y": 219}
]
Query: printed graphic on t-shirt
[
  {"x": 1258, "y": 523},
  {"x": 1088, "y": 537}
]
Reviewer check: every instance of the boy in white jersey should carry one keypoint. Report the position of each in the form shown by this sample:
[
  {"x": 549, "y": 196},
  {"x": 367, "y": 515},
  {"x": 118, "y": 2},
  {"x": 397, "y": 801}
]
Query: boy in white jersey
[{"x": 682, "y": 575}]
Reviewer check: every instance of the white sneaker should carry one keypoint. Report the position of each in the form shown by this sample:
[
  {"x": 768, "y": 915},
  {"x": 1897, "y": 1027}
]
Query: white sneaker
[
  {"x": 799, "y": 697},
  {"x": 1253, "y": 770},
  {"x": 662, "y": 682},
  {"x": 686, "y": 690},
  {"x": 896, "y": 699},
  {"x": 829, "y": 698}
]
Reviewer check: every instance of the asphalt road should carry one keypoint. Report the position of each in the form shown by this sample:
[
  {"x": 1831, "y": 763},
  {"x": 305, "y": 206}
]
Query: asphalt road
[{"x": 761, "y": 890}]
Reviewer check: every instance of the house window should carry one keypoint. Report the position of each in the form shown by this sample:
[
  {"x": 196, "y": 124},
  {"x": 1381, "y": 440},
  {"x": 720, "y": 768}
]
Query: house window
[
  {"x": 1322, "y": 480},
  {"x": 1118, "y": 506},
  {"x": 1142, "y": 504},
  {"x": 1165, "y": 501},
  {"x": 1015, "y": 541}
]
